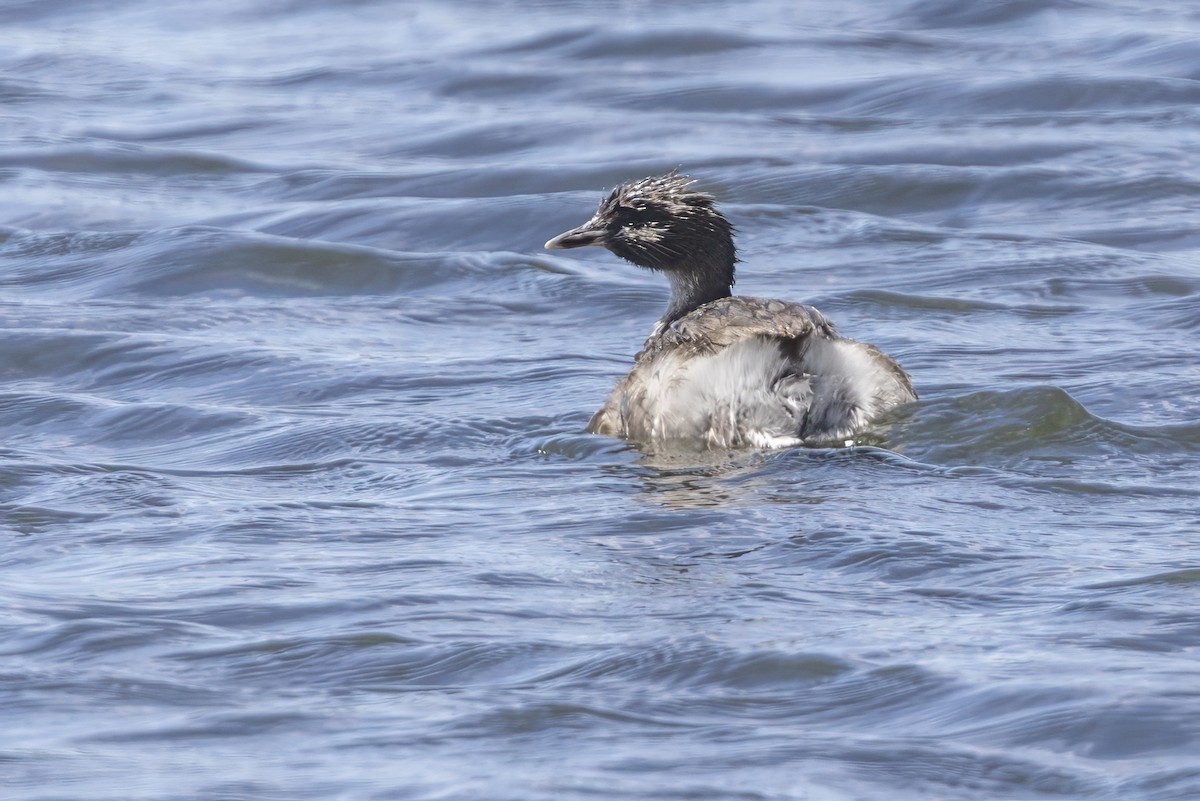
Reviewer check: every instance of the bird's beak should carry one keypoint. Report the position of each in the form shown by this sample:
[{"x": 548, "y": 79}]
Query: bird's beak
[{"x": 587, "y": 234}]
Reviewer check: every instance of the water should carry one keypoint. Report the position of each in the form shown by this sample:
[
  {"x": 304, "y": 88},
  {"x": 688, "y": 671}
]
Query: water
[{"x": 296, "y": 497}]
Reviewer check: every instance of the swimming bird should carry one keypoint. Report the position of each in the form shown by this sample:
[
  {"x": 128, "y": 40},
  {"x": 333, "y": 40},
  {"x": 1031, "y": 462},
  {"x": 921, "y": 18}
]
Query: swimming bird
[{"x": 719, "y": 370}]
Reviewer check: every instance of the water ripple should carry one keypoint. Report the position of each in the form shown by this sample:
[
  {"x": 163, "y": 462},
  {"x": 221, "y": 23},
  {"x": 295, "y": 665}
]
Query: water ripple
[{"x": 296, "y": 489}]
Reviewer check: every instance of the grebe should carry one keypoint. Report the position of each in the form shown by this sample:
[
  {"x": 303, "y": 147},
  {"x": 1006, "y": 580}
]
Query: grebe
[{"x": 720, "y": 370}]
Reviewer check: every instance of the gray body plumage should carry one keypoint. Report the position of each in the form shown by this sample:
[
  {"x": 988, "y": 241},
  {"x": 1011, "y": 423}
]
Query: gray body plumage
[{"x": 719, "y": 370}]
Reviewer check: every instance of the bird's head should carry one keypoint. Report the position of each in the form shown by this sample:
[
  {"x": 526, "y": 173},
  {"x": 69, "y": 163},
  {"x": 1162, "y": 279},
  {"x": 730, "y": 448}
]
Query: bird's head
[{"x": 660, "y": 223}]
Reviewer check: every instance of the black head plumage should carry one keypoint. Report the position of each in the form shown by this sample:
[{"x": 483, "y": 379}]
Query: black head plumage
[{"x": 661, "y": 223}]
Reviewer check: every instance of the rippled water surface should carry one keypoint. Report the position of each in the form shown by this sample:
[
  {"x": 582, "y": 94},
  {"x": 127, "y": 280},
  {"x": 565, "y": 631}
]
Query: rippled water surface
[{"x": 297, "y": 501}]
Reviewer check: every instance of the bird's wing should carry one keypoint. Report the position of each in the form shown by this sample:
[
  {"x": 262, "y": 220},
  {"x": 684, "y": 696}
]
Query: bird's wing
[
  {"x": 723, "y": 322},
  {"x": 831, "y": 386},
  {"x": 707, "y": 372}
]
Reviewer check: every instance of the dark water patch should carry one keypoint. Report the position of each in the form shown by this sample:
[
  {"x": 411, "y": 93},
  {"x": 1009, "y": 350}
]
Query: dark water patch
[
  {"x": 1117, "y": 731},
  {"x": 1177, "y": 58},
  {"x": 222, "y": 263},
  {"x": 410, "y": 224},
  {"x": 909, "y": 556},
  {"x": 1145, "y": 644},
  {"x": 1117, "y": 487},
  {"x": 1028, "y": 150},
  {"x": 81, "y": 640},
  {"x": 931, "y": 769},
  {"x": 491, "y": 84},
  {"x": 130, "y": 424},
  {"x": 964, "y": 14},
  {"x": 1025, "y": 427},
  {"x": 1154, "y": 238},
  {"x": 26, "y": 10},
  {"x": 916, "y": 98},
  {"x": 382, "y": 663},
  {"x": 618, "y": 44},
  {"x": 909, "y": 189},
  {"x": 218, "y": 262},
  {"x": 1184, "y": 577},
  {"x": 15, "y": 91},
  {"x": 1053, "y": 95},
  {"x": 884, "y": 300},
  {"x": 126, "y": 160},
  {"x": 699, "y": 665},
  {"x": 725, "y": 98},
  {"x": 132, "y": 367},
  {"x": 470, "y": 139},
  {"x": 28, "y": 518},
  {"x": 213, "y": 725},
  {"x": 1123, "y": 288},
  {"x": 29, "y": 413},
  {"x": 1165, "y": 785},
  {"x": 202, "y": 128},
  {"x": 573, "y": 446},
  {"x": 507, "y": 184},
  {"x": 23, "y": 246},
  {"x": 324, "y": 440},
  {"x": 111, "y": 500},
  {"x": 305, "y": 78}
]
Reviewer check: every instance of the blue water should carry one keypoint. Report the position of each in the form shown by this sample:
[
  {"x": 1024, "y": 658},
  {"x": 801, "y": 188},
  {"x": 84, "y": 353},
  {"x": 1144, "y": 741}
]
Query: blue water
[{"x": 296, "y": 498}]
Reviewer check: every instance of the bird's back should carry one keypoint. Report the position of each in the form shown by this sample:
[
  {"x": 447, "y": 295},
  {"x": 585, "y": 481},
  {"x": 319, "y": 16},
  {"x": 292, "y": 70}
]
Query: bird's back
[{"x": 744, "y": 371}]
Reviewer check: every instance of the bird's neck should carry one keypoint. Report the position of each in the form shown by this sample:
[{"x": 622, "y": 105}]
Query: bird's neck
[{"x": 695, "y": 285}]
